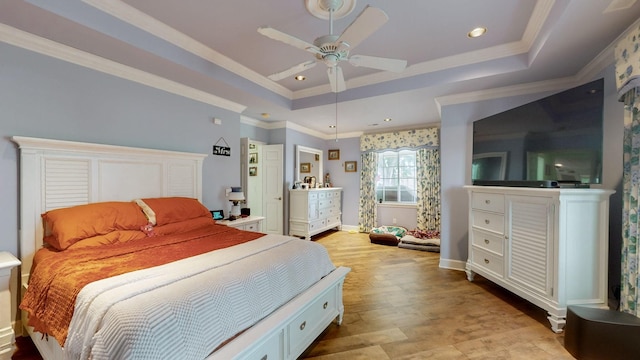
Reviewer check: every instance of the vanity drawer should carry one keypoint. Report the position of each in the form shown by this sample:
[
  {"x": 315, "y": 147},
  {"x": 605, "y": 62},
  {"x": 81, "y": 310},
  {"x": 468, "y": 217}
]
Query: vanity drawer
[
  {"x": 488, "y": 202},
  {"x": 488, "y": 241},
  {"x": 487, "y": 260},
  {"x": 488, "y": 221},
  {"x": 272, "y": 348},
  {"x": 319, "y": 314}
]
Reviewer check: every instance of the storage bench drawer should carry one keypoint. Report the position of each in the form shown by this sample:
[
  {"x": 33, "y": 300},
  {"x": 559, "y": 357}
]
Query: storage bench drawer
[{"x": 319, "y": 314}]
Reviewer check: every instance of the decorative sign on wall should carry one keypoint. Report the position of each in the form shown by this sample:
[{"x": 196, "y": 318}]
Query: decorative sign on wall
[{"x": 222, "y": 150}]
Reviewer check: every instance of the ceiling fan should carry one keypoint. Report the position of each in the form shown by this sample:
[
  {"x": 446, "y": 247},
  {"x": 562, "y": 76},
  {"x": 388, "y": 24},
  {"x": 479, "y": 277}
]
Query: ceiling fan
[{"x": 332, "y": 49}]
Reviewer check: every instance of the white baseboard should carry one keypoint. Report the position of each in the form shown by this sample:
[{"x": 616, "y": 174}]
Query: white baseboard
[
  {"x": 452, "y": 264},
  {"x": 350, "y": 228}
]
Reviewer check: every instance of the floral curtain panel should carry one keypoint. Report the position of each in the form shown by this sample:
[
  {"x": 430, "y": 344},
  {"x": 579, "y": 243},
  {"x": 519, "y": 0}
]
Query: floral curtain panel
[
  {"x": 627, "y": 55},
  {"x": 367, "y": 212},
  {"x": 428, "y": 194},
  {"x": 629, "y": 293}
]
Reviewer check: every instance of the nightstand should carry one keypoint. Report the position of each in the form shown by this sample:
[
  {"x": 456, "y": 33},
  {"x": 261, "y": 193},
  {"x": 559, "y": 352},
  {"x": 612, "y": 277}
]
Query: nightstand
[
  {"x": 249, "y": 223},
  {"x": 7, "y": 338}
]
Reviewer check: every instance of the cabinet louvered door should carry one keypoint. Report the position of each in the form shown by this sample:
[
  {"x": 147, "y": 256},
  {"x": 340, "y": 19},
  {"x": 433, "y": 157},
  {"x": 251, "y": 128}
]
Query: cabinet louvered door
[{"x": 529, "y": 243}]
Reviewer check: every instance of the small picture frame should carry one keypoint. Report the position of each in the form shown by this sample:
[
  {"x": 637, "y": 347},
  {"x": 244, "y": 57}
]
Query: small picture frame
[
  {"x": 334, "y": 154},
  {"x": 350, "y": 166},
  {"x": 252, "y": 146},
  {"x": 305, "y": 167},
  {"x": 217, "y": 214},
  {"x": 253, "y": 158},
  {"x": 317, "y": 157},
  {"x": 253, "y": 171}
]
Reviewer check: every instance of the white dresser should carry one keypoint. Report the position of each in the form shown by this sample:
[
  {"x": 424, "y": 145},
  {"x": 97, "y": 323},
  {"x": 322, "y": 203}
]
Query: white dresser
[
  {"x": 549, "y": 246},
  {"x": 313, "y": 211}
]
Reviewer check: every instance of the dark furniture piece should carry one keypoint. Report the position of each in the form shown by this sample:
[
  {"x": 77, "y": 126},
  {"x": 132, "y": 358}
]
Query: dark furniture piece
[{"x": 597, "y": 334}]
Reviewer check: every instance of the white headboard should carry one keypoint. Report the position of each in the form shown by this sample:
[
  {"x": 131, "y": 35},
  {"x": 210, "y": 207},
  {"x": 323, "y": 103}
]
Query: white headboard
[{"x": 56, "y": 174}]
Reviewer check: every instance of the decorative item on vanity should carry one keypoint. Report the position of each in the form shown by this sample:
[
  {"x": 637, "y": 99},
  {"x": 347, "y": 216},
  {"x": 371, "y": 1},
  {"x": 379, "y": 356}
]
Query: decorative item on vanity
[
  {"x": 327, "y": 180},
  {"x": 311, "y": 180},
  {"x": 235, "y": 195}
]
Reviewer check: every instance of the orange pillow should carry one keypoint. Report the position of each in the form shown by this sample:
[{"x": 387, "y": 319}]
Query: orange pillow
[
  {"x": 114, "y": 237},
  {"x": 67, "y": 226},
  {"x": 185, "y": 225},
  {"x": 169, "y": 210}
]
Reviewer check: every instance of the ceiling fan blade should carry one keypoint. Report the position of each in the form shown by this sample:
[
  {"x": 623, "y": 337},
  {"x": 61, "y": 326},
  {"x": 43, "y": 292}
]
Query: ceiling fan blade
[
  {"x": 288, "y": 39},
  {"x": 293, "y": 70},
  {"x": 369, "y": 20},
  {"x": 336, "y": 79},
  {"x": 379, "y": 63}
]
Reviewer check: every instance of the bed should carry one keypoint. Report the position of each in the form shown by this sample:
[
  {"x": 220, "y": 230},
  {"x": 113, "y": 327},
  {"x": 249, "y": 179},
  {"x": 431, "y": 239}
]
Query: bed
[{"x": 203, "y": 315}]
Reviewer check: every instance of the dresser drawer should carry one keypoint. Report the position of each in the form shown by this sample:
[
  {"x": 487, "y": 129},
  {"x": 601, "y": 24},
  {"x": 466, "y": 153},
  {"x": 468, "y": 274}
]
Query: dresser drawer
[
  {"x": 272, "y": 348},
  {"x": 313, "y": 196},
  {"x": 315, "y": 225},
  {"x": 488, "y": 202},
  {"x": 488, "y": 241},
  {"x": 487, "y": 260},
  {"x": 326, "y": 203},
  {"x": 328, "y": 212},
  {"x": 488, "y": 221},
  {"x": 319, "y": 314},
  {"x": 322, "y": 195}
]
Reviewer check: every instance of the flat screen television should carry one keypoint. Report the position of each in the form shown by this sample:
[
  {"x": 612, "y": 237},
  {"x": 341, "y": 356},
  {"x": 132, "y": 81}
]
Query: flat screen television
[{"x": 549, "y": 142}]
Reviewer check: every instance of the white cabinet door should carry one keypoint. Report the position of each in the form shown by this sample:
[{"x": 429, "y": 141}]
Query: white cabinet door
[{"x": 530, "y": 242}]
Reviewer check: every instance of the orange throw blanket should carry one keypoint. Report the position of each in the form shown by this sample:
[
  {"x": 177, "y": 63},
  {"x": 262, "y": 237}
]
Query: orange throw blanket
[{"x": 58, "y": 276}]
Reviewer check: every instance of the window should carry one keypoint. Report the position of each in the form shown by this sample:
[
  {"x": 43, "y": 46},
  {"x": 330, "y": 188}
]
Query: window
[{"x": 396, "y": 178}]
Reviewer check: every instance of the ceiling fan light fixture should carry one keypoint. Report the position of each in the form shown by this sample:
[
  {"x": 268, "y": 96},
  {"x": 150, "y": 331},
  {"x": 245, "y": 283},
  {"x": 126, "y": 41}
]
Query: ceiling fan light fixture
[
  {"x": 477, "y": 32},
  {"x": 300, "y": 77}
]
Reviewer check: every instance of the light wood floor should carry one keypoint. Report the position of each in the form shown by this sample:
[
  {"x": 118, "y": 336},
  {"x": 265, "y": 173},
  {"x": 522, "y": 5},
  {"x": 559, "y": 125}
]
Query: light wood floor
[{"x": 400, "y": 305}]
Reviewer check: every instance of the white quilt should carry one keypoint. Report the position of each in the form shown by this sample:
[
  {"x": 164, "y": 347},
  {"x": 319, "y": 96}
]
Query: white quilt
[{"x": 185, "y": 309}]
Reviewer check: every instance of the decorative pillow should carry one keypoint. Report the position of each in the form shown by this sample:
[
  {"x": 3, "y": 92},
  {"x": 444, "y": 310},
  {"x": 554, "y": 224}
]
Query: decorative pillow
[
  {"x": 114, "y": 237},
  {"x": 151, "y": 216},
  {"x": 397, "y": 231},
  {"x": 185, "y": 225},
  {"x": 67, "y": 226},
  {"x": 169, "y": 210}
]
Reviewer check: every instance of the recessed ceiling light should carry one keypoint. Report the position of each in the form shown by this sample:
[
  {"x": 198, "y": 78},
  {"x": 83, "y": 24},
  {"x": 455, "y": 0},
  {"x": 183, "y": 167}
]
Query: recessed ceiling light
[
  {"x": 265, "y": 115},
  {"x": 477, "y": 32},
  {"x": 300, "y": 77},
  {"x": 387, "y": 119}
]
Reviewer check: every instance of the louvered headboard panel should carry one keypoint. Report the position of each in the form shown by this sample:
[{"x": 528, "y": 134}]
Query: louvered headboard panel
[{"x": 56, "y": 174}]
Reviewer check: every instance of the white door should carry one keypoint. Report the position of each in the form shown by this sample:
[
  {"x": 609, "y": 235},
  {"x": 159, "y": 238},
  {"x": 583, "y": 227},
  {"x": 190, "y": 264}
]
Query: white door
[{"x": 273, "y": 189}]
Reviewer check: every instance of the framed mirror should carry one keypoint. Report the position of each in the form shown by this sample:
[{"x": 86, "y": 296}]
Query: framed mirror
[{"x": 308, "y": 163}]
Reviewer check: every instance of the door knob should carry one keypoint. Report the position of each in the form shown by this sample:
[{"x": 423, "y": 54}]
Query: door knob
[{"x": 279, "y": 198}]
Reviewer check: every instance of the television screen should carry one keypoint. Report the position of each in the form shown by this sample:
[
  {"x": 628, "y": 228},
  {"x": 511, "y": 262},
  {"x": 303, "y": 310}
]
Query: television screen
[{"x": 557, "y": 138}]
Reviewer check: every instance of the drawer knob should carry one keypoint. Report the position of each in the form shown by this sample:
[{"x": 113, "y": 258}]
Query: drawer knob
[
  {"x": 487, "y": 202},
  {"x": 486, "y": 261},
  {"x": 486, "y": 241},
  {"x": 302, "y": 326},
  {"x": 324, "y": 306},
  {"x": 486, "y": 221}
]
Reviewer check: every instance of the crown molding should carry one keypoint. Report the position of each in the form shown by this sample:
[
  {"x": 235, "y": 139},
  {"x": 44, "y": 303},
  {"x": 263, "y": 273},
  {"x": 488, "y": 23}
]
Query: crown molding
[
  {"x": 28, "y": 41},
  {"x": 271, "y": 125},
  {"x": 143, "y": 21}
]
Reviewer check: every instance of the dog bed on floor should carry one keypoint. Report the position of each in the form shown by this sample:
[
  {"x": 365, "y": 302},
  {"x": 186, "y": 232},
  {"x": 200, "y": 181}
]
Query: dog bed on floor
[
  {"x": 387, "y": 235},
  {"x": 421, "y": 240}
]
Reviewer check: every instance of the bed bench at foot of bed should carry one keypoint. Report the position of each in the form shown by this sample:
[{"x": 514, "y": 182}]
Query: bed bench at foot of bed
[{"x": 287, "y": 332}]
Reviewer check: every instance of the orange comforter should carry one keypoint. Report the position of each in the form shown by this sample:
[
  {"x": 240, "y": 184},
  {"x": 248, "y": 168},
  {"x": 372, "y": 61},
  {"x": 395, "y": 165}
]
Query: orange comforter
[{"x": 58, "y": 276}]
